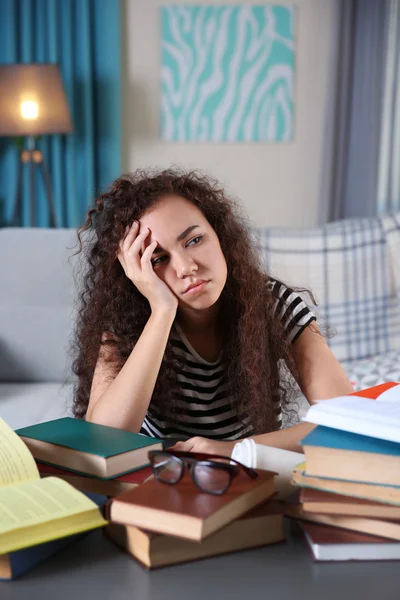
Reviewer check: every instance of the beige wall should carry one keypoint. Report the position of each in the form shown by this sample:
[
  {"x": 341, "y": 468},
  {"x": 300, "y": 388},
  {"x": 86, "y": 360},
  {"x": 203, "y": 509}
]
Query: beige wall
[{"x": 279, "y": 184}]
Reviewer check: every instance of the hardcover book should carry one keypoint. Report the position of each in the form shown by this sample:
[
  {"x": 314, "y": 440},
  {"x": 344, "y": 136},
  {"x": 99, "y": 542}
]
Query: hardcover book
[
  {"x": 15, "y": 564},
  {"x": 340, "y": 454},
  {"x": 369, "y": 491},
  {"x": 261, "y": 526},
  {"x": 378, "y": 527},
  {"x": 331, "y": 544},
  {"x": 185, "y": 511},
  {"x": 86, "y": 483},
  {"x": 328, "y": 503},
  {"x": 88, "y": 448}
]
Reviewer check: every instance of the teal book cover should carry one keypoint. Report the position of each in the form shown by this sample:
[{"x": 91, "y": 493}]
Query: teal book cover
[
  {"x": 87, "y": 437},
  {"x": 327, "y": 437}
]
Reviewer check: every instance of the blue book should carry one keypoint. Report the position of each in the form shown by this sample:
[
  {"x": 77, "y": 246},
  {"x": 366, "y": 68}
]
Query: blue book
[
  {"x": 333, "y": 453},
  {"x": 17, "y": 563},
  {"x": 327, "y": 437}
]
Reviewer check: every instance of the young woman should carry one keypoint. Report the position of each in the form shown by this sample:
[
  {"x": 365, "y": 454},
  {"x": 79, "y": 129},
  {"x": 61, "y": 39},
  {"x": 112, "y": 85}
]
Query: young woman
[{"x": 181, "y": 333}]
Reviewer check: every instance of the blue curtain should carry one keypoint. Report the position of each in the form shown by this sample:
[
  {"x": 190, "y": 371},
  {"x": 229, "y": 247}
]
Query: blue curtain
[
  {"x": 389, "y": 155},
  {"x": 83, "y": 37},
  {"x": 361, "y": 162}
]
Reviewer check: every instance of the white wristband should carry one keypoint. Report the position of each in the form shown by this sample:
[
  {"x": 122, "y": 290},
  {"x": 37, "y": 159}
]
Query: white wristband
[
  {"x": 245, "y": 452},
  {"x": 268, "y": 458}
]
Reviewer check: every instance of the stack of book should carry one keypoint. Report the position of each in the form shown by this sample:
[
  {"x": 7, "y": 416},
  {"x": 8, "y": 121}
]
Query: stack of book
[
  {"x": 351, "y": 477},
  {"x": 37, "y": 517},
  {"x": 156, "y": 523},
  {"x": 160, "y": 524},
  {"x": 40, "y": 506}
]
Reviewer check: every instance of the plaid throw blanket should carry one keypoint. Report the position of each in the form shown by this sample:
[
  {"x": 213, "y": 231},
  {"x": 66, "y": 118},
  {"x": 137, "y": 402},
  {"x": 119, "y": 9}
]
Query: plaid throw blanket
[{"x": 353, "y": 269}]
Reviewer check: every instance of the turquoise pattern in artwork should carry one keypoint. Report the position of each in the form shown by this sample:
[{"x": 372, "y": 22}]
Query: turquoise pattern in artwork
[{"x": 227, "y": 73}]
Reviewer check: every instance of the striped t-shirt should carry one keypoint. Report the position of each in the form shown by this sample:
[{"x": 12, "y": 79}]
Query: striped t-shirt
[{"x": 204, "y": 398}]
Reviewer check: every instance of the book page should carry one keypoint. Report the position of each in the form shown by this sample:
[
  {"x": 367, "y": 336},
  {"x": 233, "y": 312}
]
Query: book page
[
  {"x": 16, "y": 462},
  {"x": 392, "y": 395},
  {"x": 379, "y": 420},
  {"x": 362, "y": 409},
  {"x": 36, "y": 502}
]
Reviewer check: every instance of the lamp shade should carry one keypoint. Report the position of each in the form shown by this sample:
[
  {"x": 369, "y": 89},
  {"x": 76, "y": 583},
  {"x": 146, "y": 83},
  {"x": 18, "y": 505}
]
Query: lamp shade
[{"x": 32, "y": 101}]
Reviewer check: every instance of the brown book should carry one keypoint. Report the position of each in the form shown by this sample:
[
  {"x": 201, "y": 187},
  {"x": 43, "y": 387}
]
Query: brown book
[
  {"x": 333, "y": 544},
  {"x": 328, "y": 503},
  {"x": 378, "y": 527},
  {"x": 185, "y": 511},
  {"x": 261, "y": 526},
  {"x": 365, "y": 467},
  {"x": 96, "y": 485},
  {"x": 369, "y": 491}
]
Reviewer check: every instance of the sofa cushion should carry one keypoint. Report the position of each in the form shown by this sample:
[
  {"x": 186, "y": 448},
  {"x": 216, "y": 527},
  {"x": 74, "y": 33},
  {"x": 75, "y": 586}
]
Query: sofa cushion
[
  {"x": 36, "y": 304},
  {"x": 23, "y": 404},
  {"x": 353, "y": 269},
  {"x": 374, "y": 370}
]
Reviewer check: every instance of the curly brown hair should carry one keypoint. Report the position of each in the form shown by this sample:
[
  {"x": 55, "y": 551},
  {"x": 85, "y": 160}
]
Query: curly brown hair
[{"x": 113, "y": 312}]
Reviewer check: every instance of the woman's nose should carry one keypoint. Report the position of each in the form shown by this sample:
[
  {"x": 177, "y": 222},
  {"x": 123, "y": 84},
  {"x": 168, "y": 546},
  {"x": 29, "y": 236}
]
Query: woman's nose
[{"x": 184, "y": 266}]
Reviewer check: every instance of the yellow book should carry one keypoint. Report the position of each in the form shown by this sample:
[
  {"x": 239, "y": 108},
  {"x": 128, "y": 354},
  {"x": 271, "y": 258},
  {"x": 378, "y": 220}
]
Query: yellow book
[{"x": 34, "y": 510}]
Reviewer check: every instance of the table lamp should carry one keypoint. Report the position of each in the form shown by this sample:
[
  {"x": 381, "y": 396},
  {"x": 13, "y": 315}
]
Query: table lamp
[{"x": 32, "y": 103}]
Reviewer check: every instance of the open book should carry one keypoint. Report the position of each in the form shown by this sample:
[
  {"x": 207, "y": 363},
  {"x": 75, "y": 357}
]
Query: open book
[
  {"x": 374, "y": 412},
  {"x": 34, "y": 510}
]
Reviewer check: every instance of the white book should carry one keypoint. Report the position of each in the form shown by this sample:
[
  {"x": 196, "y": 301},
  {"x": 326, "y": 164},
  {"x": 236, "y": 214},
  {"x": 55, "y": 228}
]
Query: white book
[
  {"x": 334, "y": 544},
  {"x": 379, "y": 418}
]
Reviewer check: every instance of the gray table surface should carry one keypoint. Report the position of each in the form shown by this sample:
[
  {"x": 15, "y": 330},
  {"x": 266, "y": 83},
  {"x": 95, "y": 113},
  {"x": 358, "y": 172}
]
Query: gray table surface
[{"x": 95, "y": 568}]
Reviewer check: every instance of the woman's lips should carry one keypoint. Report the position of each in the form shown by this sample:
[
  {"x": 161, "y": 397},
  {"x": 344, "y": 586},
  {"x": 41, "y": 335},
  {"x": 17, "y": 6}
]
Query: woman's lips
[{"x": 198, "y": 288}]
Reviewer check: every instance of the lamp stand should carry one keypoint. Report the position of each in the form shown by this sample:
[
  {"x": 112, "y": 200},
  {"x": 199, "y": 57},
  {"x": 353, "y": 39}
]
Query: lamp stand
[{"x": 33, "y": 158}]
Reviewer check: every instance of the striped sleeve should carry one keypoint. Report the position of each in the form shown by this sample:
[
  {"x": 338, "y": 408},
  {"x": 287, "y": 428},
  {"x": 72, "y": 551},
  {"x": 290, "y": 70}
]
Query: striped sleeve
[{"x": 291, "y": 309}]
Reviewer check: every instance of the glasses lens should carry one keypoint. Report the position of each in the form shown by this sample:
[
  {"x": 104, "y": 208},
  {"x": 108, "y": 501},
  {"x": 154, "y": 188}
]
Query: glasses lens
[
  {"x": 167, "y": 468},
  {"x": 213, "y": 480}
]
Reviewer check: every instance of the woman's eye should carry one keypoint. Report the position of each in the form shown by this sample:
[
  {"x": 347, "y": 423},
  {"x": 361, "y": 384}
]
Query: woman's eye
[
  {"x": 158, "y": 260},
  {"x": 196, "y": 240}
]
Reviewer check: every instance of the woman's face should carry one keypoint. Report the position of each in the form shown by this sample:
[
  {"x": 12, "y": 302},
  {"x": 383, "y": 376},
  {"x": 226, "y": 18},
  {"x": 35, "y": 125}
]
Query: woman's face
[{"x": 188, "y": 257}]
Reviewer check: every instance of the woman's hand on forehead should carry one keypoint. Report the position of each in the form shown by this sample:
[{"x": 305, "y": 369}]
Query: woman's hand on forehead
[{"x": 134, "y": 254}]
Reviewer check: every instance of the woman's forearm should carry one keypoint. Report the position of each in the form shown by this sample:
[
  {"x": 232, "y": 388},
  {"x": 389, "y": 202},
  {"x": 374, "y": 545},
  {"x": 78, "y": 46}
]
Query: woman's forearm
[
  {"x": 287, "y": 439},
  {"x": 125, "y": 402}
]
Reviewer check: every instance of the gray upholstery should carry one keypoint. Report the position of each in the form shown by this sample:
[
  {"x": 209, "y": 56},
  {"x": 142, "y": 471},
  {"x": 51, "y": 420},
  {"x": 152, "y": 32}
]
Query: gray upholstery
[
  {"x": 36, "y": 299},
  {"x": 36, "y": 322},
  {"x": 23, "y": 404}
]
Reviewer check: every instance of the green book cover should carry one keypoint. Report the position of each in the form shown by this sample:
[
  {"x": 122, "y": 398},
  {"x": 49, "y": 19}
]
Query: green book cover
[{"x": 87, "y": 437}]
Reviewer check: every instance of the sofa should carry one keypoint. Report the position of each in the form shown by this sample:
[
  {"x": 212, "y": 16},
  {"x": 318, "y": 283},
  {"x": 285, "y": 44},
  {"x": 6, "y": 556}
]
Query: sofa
[
  {"x": 351, "y": 266},
  {"x": 37, "y": 307}
]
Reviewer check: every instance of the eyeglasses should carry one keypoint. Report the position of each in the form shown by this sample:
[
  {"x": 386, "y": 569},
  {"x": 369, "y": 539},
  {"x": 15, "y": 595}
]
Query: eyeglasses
[{"x": 211, "y": 473}]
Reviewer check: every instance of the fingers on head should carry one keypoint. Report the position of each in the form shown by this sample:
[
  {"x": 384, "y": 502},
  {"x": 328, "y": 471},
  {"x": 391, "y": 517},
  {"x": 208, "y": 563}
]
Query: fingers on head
[
  {"x": 147, "y": 252},
  {"x": 136, "y": 244},
  {"x": 131, "y": 232}
]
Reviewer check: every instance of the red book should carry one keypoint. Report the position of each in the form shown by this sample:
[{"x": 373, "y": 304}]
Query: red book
[
  {"x": 107, "y": 487},
  {"x": 373, "y": 392},
  {"x": 184, "y": 511},
  {"x": 331, "y": 544}
]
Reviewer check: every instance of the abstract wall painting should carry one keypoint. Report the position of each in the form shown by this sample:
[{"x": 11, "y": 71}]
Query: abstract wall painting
[{"x": 227, "y": 73}]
